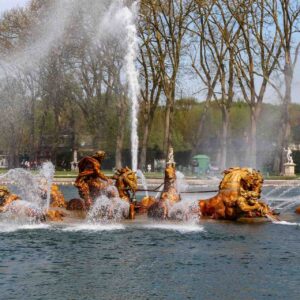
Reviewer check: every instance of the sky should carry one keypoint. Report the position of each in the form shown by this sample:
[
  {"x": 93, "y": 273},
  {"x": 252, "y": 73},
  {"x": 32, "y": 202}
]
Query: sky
[
  {"x": 186, "y": 89},
  {"x": 8, "y": 4}
]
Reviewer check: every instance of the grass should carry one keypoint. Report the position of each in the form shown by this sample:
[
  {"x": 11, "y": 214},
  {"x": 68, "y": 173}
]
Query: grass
[
  {"x": 73, "y": 174},
  {"x": 151, "y": 175}
]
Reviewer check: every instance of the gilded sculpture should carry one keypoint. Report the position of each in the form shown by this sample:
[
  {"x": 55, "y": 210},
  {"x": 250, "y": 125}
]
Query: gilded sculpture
[
  {"x": 239, "y": 194},
  {"x": 6, "y": 198},
  {"x": 169, "y": 196},
  {"x": 91, "y": 180}
]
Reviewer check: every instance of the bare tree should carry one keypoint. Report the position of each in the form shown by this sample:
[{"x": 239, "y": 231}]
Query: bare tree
[
  {"x": 168, "y": 20},
  {"x": 151, "y": 84},
  {"x": 218, "y": 37},
  {"x": 285, "y": 16},
  {"x": 203, "y": 64},
  {"x": 256, "y": 58}
]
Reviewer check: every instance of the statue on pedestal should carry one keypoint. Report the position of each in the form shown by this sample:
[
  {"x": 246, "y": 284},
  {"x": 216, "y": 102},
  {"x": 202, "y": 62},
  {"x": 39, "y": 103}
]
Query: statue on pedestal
[
  {"x": 289, "y": 155},
  {"x": 289, "y": 166}
]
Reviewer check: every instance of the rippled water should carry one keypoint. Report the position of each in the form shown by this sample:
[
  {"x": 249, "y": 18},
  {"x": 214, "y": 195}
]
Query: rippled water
[{"x": 145, "y": 260}]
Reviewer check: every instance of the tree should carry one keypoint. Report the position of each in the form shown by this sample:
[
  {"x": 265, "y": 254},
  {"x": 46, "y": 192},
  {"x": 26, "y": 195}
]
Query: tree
[
  {"x": 168, "y": 20},
  {"x": 285, "y": 15},
  {"x": 151, "y": 84},
  {"x": 256, "y": 58},
  {"x": 218, "y": 37}
]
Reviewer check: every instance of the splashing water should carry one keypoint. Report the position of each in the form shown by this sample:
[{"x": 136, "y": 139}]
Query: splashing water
[
  {"x": 34, "y": 193},
  {"x": 181, "y": 228},
  {"x": 92, "y": 227},
  {"x": 286, "y": 223},
  {"x": 140, "y": 175},
  {"x": 282, "y": 197},
  {"x": 30, "y": 187},
  {"x": 108, "y": 208},
  {"x": 47, "y": 172}
]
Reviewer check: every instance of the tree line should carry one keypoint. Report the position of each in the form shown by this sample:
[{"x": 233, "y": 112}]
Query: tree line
[{"x": 236, "y": 51}]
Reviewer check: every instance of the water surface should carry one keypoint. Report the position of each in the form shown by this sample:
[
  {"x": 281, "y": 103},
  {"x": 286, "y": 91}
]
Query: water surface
[{"x": 145, "y": 260}]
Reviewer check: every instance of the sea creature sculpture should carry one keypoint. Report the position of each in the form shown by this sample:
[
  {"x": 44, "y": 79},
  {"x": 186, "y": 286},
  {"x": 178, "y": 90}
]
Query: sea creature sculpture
[{"x": 239, "y": 194}]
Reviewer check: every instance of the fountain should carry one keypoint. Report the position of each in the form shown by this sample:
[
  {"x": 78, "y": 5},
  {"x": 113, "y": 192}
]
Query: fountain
[
  {"x": 132, "y": 75},
  {"x": 112, "y": 199}
]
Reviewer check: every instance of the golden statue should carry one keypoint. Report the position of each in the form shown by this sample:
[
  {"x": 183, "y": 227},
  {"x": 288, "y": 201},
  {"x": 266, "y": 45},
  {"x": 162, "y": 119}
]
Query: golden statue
[
  {"x": 239, "y": 194},
  {"x": 91, "y": 180},
  {"x": 57, "y": 198},
  {"x": 126, "y": 181},
  {"x": 6, "y": 197},
  {"x": 169, "y": 196}
]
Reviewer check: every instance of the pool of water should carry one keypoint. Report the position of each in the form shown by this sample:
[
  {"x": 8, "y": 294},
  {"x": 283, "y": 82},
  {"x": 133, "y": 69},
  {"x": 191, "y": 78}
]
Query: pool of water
[{"x": 146, "y": 260}]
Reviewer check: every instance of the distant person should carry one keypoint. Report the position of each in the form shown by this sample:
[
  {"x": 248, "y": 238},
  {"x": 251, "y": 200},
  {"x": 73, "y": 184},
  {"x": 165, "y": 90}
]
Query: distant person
[
  {"x": 74, "y": 166},
  {"x": 27, "y": 165}
]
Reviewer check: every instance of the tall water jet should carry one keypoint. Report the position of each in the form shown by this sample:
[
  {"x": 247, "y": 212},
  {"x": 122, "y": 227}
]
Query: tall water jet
[
  {"x": 140, "y": 175},
  {"x": 132, "y": 77},
  {"x": 181, "y": 183}
]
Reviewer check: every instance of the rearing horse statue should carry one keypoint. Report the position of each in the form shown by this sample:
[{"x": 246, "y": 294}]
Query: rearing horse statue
[{"x": 239, "y": 194}]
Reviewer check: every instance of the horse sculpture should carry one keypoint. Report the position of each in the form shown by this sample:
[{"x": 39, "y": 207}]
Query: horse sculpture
[
  {"x": 169, "y": 197},
  {"x": 239, "y": 194},
  {"x": 126, "y": 182}
]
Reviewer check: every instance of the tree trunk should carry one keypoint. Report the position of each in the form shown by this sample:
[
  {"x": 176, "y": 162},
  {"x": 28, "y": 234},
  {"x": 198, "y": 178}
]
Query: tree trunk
[
  {"x": 201, "y": 124},
  {"x": 224, "y": 137},
  {"x": 167, "y": 128},
  {"x": 13, "y": 157},
  {"x": 284, "y": 136},
  {"x": 169, "y": 121},
  {"x": 255, "y": 112},
  {"x": 121, "y": 132},
  {"x": 146, "y": 134},
  {"x": 32, "y": 131}
]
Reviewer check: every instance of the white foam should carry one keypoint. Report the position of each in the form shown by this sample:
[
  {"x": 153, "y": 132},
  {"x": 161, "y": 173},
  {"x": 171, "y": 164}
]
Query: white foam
[
  {"x": 94, "y": 227},
  {"x": 182, "y": 228},
  {"x": 286, "y": 223},
  {"x": 8, "y": 227}
]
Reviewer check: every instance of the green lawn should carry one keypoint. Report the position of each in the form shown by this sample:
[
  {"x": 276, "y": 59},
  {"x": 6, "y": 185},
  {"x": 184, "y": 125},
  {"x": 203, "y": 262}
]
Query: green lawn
[
  {"x": 73, "y": 174},
  {"x": 159, "y": 175}
]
